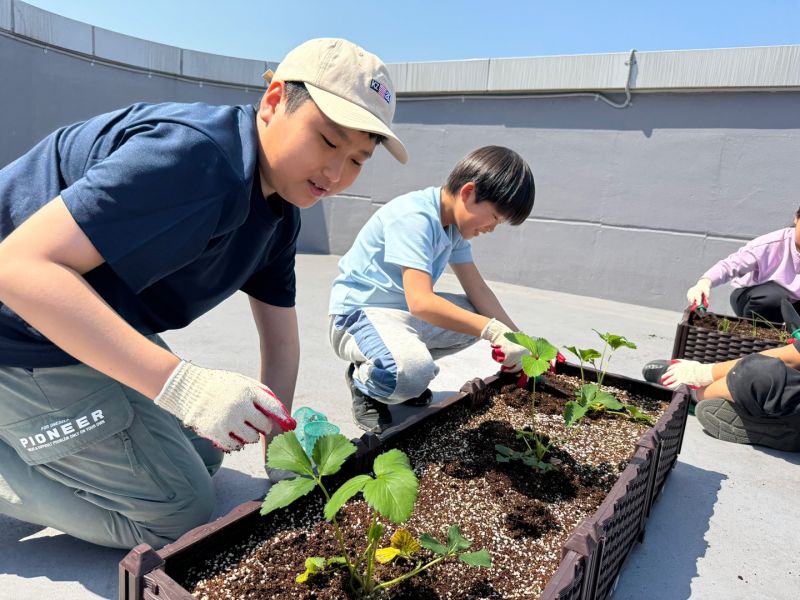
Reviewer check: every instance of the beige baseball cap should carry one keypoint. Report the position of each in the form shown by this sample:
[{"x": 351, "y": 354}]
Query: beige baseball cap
[{"x": 350, "y": 85}]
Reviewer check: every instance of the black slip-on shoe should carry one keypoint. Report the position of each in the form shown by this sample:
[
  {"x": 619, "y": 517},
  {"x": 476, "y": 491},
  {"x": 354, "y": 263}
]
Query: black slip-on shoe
[
  {"x": 726, "y": 421},
  {"x": 654, "y": 370},
  {"x": 424, "y": 399},
  {"x": 368, "y": 413}
]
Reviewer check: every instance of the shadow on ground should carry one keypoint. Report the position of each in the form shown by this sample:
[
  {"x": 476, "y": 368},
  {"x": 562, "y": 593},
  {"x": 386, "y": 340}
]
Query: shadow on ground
[
  {"x": 663, "y": 567},
  {"x": 31, "y": 552}
]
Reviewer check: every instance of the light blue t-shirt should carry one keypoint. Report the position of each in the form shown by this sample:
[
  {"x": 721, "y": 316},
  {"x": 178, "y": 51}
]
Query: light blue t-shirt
[{"x": 406, "y": 232}]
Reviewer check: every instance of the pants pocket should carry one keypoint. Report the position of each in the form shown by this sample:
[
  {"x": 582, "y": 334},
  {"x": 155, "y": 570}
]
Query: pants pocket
[
  {"x": 56, "y": 434},
  {"x": 148, "y": 460}
]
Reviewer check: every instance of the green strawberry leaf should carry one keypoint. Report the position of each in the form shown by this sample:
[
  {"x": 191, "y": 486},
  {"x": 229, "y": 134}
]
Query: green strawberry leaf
[
  {"x": 346, "y": 491},
  {"x": 533, "y": 366},
  {"x": 285, "y": 452},
  {"x": 432, "y": 544},
  {"x": 481, "y": 558},
  {"x": 330, "y": 452},
  {"x": 285, "y": 492},
  {"x": 573, "y": 412},
  {"x": 456, "y": 541},
  {"x": 615, "y": 341},
  {"x": 523, "y": 339},
  {"x": 393, "y": 492},
  {"x": 638, "y": 415},
  {"x": 607, "y": 400}
]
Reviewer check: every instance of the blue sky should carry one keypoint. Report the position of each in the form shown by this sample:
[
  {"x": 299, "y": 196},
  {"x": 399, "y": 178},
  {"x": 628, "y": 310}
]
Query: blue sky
[{"x": 417, "y": 30}]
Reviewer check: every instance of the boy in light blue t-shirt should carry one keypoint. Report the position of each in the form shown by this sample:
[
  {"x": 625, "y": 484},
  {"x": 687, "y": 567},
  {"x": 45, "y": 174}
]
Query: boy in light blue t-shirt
[{"x": 385, "y": 318}]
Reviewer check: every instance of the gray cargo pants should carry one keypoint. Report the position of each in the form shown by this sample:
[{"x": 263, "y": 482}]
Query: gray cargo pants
[{"x": 83, "y": 454}]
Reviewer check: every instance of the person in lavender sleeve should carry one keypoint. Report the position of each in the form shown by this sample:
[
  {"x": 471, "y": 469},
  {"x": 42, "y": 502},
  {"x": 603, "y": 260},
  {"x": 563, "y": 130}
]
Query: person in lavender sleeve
[
  {"x": 754, "y": 399},
  {"x": 762, "y": 272}
]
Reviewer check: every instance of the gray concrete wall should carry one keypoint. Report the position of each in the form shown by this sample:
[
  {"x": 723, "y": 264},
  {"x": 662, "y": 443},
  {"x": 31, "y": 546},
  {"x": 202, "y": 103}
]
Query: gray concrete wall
[
  {"x": 43, "y": 89},
  {"x": 632, "y": 204}
]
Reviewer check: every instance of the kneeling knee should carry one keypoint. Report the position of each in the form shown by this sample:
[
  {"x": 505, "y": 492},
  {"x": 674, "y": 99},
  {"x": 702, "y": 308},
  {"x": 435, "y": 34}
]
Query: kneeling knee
[
  {"x": 414, "y": 379},
  {"x": 757, "y": 368}
]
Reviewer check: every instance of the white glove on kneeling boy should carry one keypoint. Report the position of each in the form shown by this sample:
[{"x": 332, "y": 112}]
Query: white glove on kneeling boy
[
  {"x": 503, "y": 350},
  {"x": 689, "y": 372},
  {"x": 228, "y": 408}
]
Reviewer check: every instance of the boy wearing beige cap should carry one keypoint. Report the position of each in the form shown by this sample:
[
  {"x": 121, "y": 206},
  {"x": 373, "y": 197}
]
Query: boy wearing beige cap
[{"x": 139, "y": 221}]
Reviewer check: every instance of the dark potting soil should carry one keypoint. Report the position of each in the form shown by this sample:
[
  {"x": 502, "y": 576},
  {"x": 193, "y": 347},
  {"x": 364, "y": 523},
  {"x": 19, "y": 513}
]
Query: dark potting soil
[
  {"x": 520, "y": 516},
  {"x": 746, "y": 328}
]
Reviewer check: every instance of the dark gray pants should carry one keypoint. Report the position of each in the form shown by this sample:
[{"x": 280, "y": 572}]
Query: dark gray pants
[
  {"x": 763, "y": 300},
  {"x": 88, "y": 456},
  {"x": 766, "y": 388}
]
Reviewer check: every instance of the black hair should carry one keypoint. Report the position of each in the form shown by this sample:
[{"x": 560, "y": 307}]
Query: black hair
[
  {"x": 297, "y": 93},
  {"x": 797, "y": 214},
  {"x": 501, "y": 177}
]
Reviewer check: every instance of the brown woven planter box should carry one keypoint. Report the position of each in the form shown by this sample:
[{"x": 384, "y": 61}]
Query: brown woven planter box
[
  {"x": 709, "y": 345},
  {"x": 592, "y": 557}
]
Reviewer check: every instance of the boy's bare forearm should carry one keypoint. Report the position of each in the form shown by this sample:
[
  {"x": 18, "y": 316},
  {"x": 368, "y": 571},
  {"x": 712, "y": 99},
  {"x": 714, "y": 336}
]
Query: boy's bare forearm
[
  {"x": 279, "y": 344},
  {"x": 60, "y": 304},
  {"x": 487, "y": 304},
  {"x": 479, "y": 294},
  {"x": 443, "y": 313}
]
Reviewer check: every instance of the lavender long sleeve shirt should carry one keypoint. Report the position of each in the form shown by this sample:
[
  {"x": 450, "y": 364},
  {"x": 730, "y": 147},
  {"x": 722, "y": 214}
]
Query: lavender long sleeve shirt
[{"x": 770, "y": 257}]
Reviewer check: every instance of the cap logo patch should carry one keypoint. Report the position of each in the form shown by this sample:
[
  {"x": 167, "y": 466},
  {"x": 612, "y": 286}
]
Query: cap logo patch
[{"x": 381, "y": 89}]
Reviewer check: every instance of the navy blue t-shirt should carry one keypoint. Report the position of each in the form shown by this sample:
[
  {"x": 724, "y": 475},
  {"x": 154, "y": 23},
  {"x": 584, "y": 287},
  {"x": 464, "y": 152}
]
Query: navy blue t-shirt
[{"x": 169, "y": 195}]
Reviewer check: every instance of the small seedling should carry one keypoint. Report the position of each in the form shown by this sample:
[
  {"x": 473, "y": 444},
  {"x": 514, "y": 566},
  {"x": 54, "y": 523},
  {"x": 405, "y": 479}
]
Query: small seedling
[
  {"x": 724, "y": 325},
  {"x": 532, "y": 457},
  {"x": 782, "y": 334},
  {"x": 391, "y": 494}
]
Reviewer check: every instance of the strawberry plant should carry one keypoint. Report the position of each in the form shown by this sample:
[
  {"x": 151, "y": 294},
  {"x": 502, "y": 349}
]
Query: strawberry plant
[
  {"x": 591, "y": 396},
  {"x": 534, "y": 365},
  {"x": 391, "y": 494}
]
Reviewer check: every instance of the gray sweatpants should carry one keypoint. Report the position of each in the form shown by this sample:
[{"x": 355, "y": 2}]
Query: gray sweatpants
[
  {"x": 394, "y": 351},
  {"x": 82, "y": 453}
]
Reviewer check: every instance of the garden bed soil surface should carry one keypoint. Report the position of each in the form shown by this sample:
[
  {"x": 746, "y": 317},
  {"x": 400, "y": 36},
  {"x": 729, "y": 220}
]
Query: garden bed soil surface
[
  {"x": 520, "y": 516},
  {"x": 742, "y": 327}
]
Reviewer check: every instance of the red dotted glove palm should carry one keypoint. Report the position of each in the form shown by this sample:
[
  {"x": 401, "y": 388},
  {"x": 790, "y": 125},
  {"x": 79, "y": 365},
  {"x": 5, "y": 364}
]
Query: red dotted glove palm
[{"x": 504, "y": 350}]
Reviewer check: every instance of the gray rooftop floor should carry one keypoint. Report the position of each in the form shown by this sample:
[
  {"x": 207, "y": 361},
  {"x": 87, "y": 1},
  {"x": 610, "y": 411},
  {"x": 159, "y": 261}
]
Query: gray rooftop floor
[{"x": 725, "y": 526}]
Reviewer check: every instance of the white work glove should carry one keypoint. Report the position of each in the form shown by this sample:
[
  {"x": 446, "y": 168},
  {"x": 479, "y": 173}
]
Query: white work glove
[
  {"x": 689, "y": 372},
  {"x": 227, "y": 408},
  {"x": 503, "y": 350},
  {"x": 698, "y": 295}
]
